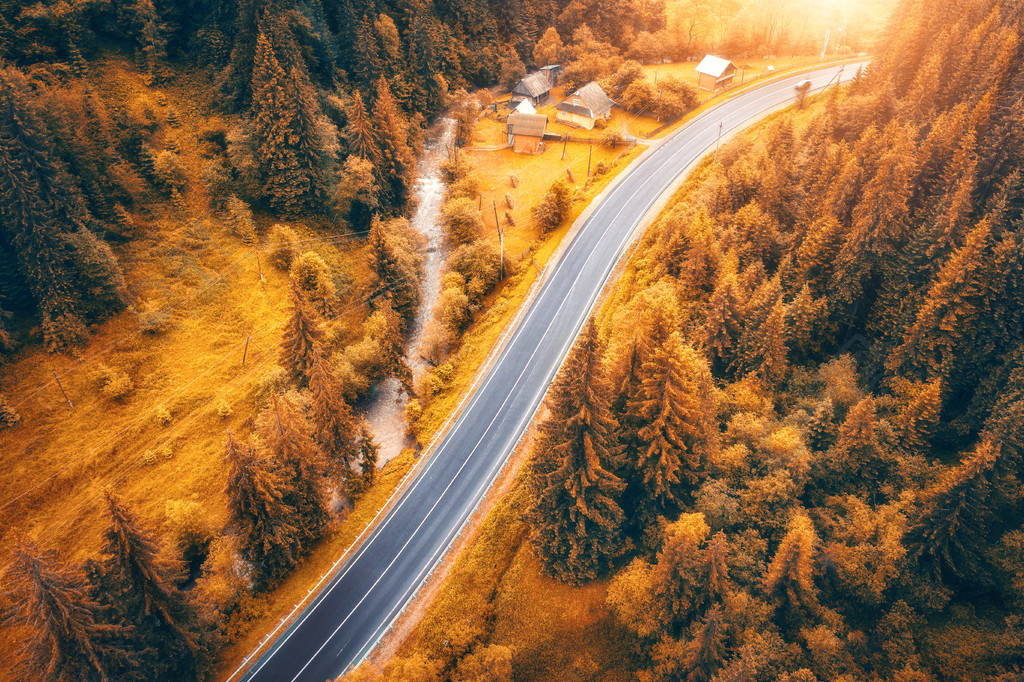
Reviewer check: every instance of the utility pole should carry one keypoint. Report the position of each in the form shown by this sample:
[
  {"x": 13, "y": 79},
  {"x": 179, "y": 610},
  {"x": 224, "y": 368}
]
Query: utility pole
[
  {"x": 62, "y": 391},
  {"x": 260, "y": 267},
  {"x": 718, "y": 144},
  {"x": 501, "y": 239},
  {"x": 245, "y": 351},
  {"x": 565, "y": 142},
  {"x": 824, "y": 48},
  {"x": 590, "y": 155}
]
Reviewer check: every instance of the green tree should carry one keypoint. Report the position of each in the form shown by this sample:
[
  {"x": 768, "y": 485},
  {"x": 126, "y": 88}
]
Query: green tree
[
  {"x": 551, "y": 210},
  {"x": 267, "y": 524},
  {"x": 576, "y": 517},
  {"x": 789, "y": 581},
  {"x": 707, "y": 651}
]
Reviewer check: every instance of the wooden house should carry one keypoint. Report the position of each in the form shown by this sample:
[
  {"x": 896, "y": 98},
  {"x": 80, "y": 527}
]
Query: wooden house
[
  {"x": 536, "y": 88},
  {"x": 715, "y": 73},
  {"x": 553, "y": 72},
  {"x": 584, "y": 107},
  {"x": 526, "y": 132}
]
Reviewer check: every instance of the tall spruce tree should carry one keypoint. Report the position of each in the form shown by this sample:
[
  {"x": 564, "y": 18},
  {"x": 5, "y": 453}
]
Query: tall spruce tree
[
  {"x": 64, "y": 637},
  {"x": 789, "y": 581},
  {"x": 289, "y": 440},
  {"x": 293, "y": 139},
  {"x": 676, "y": 434},
  {"x": 168, "y": 624},
  {"x": 333, "y": 421},
  {"x": 395, "y": 163},
  {"x": 268, "y": 526},
  {"x": 395, "y": 274},
  {"x": 576, "y": 517},
  {"x": 302, "y": 338},
  {"x": 707, "y": 650},
  {"x": 369, "y": 452}
]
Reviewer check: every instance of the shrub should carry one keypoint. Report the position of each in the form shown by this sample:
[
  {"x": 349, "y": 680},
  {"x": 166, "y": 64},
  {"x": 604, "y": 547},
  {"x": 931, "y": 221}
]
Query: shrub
[
  {"x": 113, "y": 382},
  {"x": 188, "y": 526},
  {"x": 284, "y": 246},
  {"x": 223, "y": 409},
  {"x": 313, "y": 276},
  {"x": 270, "y": 382},
  {"x": 168, "y": 170},
  {"x": 239, "y": 220},
  {"x": 162, "y": 416},
  {"x": 8, "y": 415},
  {"x": 154, "y": 317}
]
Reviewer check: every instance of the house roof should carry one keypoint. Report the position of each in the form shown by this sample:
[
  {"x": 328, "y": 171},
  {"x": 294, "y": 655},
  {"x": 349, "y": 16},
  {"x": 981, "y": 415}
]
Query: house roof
[
  {"x": 531, "y": 125},
  {"x": 534, "y": 85},
  {"x": 524, "y": 107},
  {"x": 594, "y": 103},
  {"x": 715, "y": 67}
]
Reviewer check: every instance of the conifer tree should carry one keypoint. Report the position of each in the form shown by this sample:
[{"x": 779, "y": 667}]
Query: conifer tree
[
  {"x": 768, "y": 354},
  {"x": 65, "y": 638},
  {"x": 789, "y": 581},
  {"x": 392, "y": 349},
  {"x": 302, "y": 338},
  {"x": 716, "y": 558},
  {"x": 723, "y": 321},
  {"x": 395, "y": 163},
  {"x": 332, "y": 420},
  {"x": 287, "y": 437},
  {"x": 822, "y": 431},
  {"x": 362, "y": 139},
  {"x": 949, "y": 538},
  {"x": 857, "y": 447},
  {"x": 707, "y": 651},
  {"x": 676, "y": 434},
  {"x": 576, "y": 517},
  {"x": 144, "y": 586},
  {"x": 395, "y": 274},
  {"x": 72, "y": 276},
  {"x": 369, "y": 451},
  {"x": 293, "y": 144},
  {"x": 680, "y": 577},
  {"x": 920, "y": 416},
  {"x": 267, "y": 525}
]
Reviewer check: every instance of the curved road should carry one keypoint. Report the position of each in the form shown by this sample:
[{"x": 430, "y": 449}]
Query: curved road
[{"x": 348, "y": 617}]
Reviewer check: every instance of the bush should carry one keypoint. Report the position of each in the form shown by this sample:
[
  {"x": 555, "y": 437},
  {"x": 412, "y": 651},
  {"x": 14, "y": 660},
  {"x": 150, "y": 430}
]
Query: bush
[
  {"x": 113, "y": 382},
  {"x": 188, "y": 526},
  {"x": 168, "y": 170},
  {"x": 8, "y": 415},
  {"x": 313, "y": 276},
  {"x": 239, "y": 220},
  {"x": 154, "y": 317},
  {"x": 480, "y": 267},
  {"x": 284, "y": 246},
  {"x": 162, "y": 416},
  {"x": 554, "y": 207},
  {"x": 224, "y": 409}
]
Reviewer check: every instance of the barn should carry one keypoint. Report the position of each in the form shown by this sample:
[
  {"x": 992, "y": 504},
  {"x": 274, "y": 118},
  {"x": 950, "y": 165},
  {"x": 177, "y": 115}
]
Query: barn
[
  {"x": 584, "y": 107},
  {"x": 715, "y": 73},
  {"x": 536, "y": 88},
  {"x": 526, "y": 132}
]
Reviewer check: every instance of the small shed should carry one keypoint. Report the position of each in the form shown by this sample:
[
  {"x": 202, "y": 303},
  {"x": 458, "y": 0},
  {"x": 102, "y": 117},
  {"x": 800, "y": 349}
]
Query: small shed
[
  {"x": 553, "y": 72},
  {"x": 526, "y": 132},
  {"x": 524, "y": 107},
  {"x": 534, "y": 88},
  {"x": 715, "y": 73},
  {"x": 585, "y": 106}
]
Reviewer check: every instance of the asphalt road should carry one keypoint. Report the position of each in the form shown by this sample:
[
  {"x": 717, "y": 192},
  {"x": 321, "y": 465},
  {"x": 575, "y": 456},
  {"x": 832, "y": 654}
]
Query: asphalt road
[{"x": 349, "y": 616}]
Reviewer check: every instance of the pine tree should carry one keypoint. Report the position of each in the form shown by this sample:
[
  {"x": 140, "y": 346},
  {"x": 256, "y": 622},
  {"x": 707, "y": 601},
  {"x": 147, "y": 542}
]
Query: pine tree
[
  {"x": 287, "y": 437},
  {"x": 393, "y": 350},
  {"x": 333, "y": 422},
  {"x": 707, "y": 651},
  {"x": 716, "y": 557},
  {"x": 723, "y": 321},
  {"x": 822, "y": 431},
  {"x": 679, "y": 579},
  {"x": 949, "y": 538},
  {"x": 395, "y": 164},
  {"x": 362, "y": 138},
  {"x": 920, "y": 416},
  {"x": 395, "y": 274},
  {"x": 576, "y": 517},
  {"x": 64, "y": 637},
  {"x": 292, "y": 137},
  {"x": 72, "y": 276},
  {"x": 857, "y": 447},
  {"x": 302, "y": 338},
  {"x": 143, "y": 585},
  {"x": 676, "y": 434},
  {"x": 369, "y": 452},
  {"x": 267, "y": 525},
  {"x": 768, "y": 354},
  {"x": 789, "y": 581}
]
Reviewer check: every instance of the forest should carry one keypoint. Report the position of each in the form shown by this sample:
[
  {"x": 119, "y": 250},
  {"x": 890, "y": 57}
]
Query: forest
[
  {"x": 833, "y": 308},
  {"x": 788, "y": 445}
]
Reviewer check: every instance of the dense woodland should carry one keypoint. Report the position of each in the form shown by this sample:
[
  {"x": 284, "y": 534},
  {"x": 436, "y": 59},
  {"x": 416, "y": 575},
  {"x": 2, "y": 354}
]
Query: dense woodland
[{"x": 795, "y": 443}]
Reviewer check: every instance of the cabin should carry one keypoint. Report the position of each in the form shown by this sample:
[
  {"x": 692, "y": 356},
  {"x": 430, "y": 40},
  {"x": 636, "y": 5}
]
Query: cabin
[
  {"x": 553, "y": 72},
  {"x": 715, "y": 73},
  {"x": 526, "y": 132},
  {"x": 583, "y": 108},
  {"x": 536, "y": 88}
]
